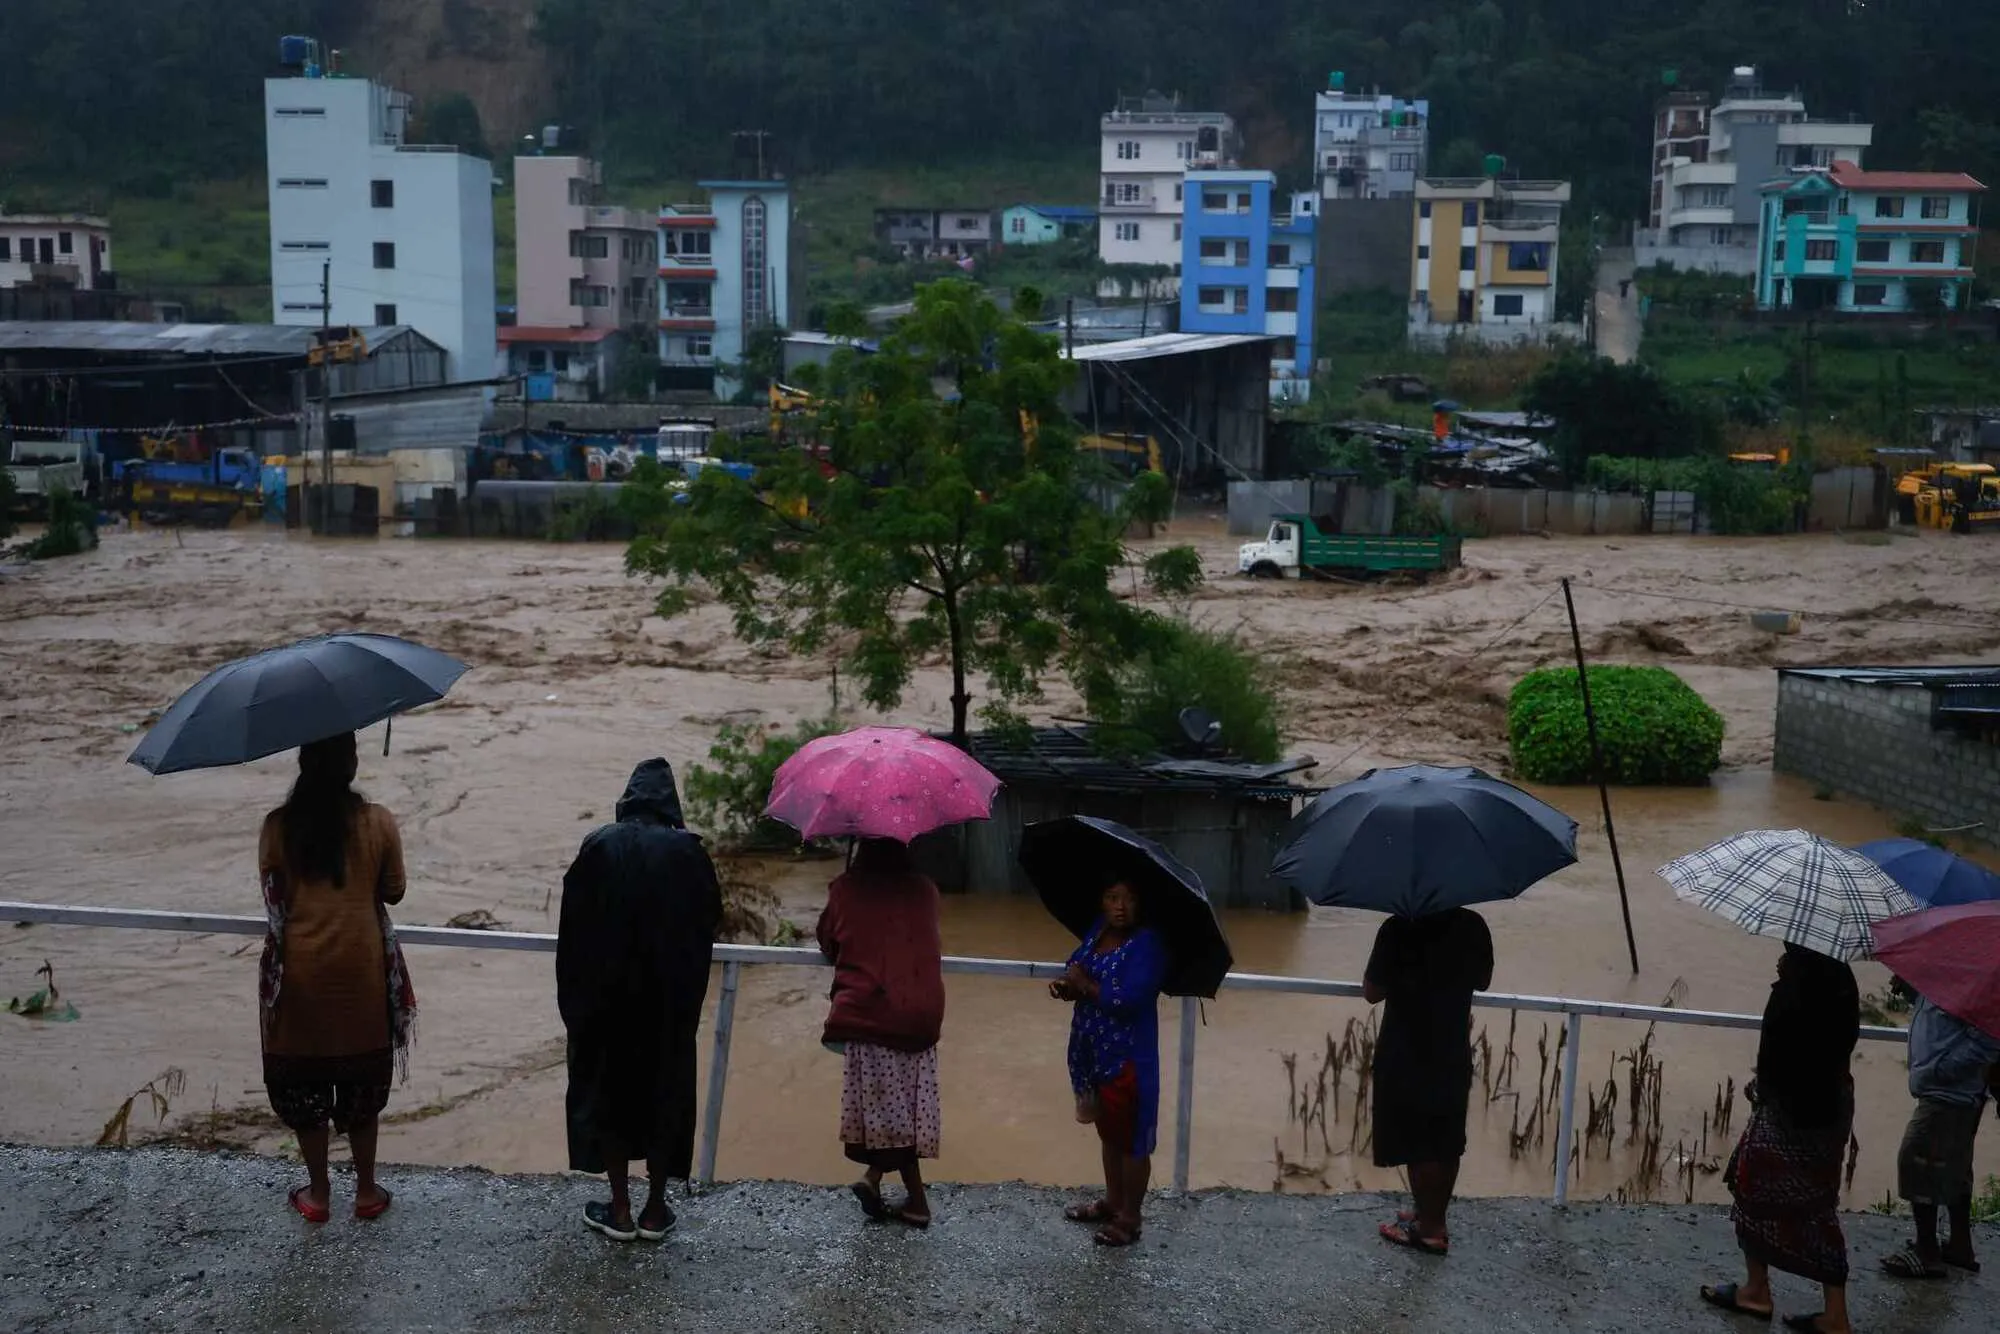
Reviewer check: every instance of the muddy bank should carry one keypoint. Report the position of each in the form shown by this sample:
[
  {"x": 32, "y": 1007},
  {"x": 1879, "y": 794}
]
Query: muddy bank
[{"x": 574, "y": 680}]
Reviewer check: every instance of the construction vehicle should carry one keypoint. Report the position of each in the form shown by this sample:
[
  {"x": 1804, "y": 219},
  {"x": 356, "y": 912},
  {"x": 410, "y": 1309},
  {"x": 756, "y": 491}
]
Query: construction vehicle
[
  {"x": 338, "y": 344},
  {"x": 1296, "y": 545},
  {"x": 209, "y": 492},
  {"x": 1959, "y": 497},
  {"x": 40, "y": 468}
]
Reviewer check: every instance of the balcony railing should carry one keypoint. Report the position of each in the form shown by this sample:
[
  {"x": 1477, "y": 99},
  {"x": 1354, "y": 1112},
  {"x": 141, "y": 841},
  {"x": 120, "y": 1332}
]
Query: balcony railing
[{"x": 1146, "y": 201}]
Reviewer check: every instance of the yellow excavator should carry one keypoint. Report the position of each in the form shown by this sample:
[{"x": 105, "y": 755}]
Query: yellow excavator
[{"x": 1958, "y": 497}]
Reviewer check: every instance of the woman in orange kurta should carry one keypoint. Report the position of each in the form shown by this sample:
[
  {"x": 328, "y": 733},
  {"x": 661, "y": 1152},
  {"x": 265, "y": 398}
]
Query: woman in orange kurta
[{"x": 335, "y": 997}]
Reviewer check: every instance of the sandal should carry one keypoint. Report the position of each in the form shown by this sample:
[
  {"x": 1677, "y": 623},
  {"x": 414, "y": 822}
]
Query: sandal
[
  {"x": 377, "y": 1209},
  {"x": 598, "y": 1218},
  {"x": 1406, "y": 1234},
  {"x": 871, "y": 1201},
  {"x": 1723, "y": 1297},
  {"x": 1097, "y": 1211},
  {"x": 312, "y": 1213},
  {"x": 1115, "y": 1234},
  {"x": 1910, "y": 1263}
]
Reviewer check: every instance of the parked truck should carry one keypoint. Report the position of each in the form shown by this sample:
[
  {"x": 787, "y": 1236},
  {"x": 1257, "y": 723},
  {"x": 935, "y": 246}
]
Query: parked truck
[
  {"x": 1296, "y": 545},
  {"x": 40, "y": 468},
  {"x": 208, "y": 493}
]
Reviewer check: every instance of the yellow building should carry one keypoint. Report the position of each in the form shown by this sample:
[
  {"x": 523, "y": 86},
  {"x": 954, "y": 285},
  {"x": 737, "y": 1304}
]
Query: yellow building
[{"x": 1484, "y": 257}]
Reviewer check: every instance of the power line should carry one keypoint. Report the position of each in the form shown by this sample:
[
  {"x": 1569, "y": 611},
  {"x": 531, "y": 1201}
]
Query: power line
[{"x": 79, "y": 372}]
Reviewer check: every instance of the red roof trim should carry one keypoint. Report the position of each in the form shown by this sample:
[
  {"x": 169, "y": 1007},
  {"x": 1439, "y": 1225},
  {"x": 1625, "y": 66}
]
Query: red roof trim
[
  {"x": 688, "y": 325},
  {"x": 1927, "y": 271},
  {"x": 1850, "y": 177},
  {"x": 1918, "y": 227},
  {"x": 695, "y": 275},
  {"x": 704, "y": 220},
  {"x": 520, "y": 333}
]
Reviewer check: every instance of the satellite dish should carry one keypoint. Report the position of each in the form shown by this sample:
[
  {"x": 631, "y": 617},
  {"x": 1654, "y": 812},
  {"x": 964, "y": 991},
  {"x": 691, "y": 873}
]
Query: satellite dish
[{"x": 1202, "y": 729}]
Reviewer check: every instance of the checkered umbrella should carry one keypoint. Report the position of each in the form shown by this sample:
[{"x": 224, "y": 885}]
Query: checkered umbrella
[{"x": 1793, "y": 885}]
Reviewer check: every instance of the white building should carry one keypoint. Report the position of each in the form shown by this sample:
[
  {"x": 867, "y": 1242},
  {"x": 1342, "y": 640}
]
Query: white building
[
  {"x": 1368, "y": 145},
  {"x": 63, "y": 249},
  {"x": 1710, "y": 162},
  {"x": 402, "y": 232},
  {"x": 725, "y": 274},
  {"x": 1146, "y": 148}
]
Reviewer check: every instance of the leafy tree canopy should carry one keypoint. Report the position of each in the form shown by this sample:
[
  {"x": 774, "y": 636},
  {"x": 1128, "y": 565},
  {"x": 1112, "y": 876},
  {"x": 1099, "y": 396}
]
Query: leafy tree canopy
[{"x": 1601, "y": 407}]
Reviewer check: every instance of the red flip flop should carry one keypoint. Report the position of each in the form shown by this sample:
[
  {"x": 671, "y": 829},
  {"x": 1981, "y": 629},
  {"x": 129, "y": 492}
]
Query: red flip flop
[
  {"x": 366, "y": 1211},
  {"x": 312, "y": 1213}
]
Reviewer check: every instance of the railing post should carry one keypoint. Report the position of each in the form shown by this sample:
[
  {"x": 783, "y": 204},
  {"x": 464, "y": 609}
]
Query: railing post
[
  {"x": 1566, "y": 1118},
  {"x": 718, "y": 1074},
  {"x": 1184, "y": 1095}
]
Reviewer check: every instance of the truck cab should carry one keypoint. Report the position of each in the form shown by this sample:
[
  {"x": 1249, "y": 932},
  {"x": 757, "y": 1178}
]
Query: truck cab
[{"x": 1278, "y": 554}]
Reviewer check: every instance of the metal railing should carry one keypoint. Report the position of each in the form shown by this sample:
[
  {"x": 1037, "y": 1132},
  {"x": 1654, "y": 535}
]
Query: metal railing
[{"x": 733, "y": 958}]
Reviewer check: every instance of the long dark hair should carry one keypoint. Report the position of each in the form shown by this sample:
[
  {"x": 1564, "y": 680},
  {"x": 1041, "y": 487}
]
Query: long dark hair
[
  {"x": 317, "y": 818},
  {"x": 881, "y": 856}
]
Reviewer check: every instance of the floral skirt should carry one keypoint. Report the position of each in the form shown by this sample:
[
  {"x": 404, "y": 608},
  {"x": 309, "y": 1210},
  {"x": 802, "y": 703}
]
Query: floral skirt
[
  {"x": 1786, "y": 1181},
  {"x": 889, "y": 1106}
]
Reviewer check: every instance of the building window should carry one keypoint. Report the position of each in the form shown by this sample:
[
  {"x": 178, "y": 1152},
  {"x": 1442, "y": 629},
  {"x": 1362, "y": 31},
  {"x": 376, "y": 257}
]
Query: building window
[
  {"x": 381, "y": 194},
  {"x": 538, "y": 359},
  {"x": 299, "y": 111},
  {"x": 1468, "y": 258},
  {"x": 65, "y": 243},
  {"x": 1128, "y": 192},
  {"x": 385, "y": 314},
  {"x": 1871, "y": 252},
  {"x": 301, "y": 246},
  {"x": 970, "y": 224},
  {"x": 301, "y": 306},
  {"x": 48, "y": 250},
  {"x": 1714, "y": 196},
  {"x": 1871, "y": 294},
  {"x": 1471, "y": 213},
  {"x": 689, "y": 245},
  {"x": 1719, "y": 236},
  {"x": 1285, "y": 349},
  {"x": 1507, "y": 305},
  {"x": 1423, "y": 208},
  {"x": 1126, "y": 231},
  {"x": 1279, "y": 300},
  {"x": 1177, "y": 231},
  {"x": 1528, "y": 256},
  {"x": 1888, "y": 206},
  {"x": 1215, "y": 250},
  {"x": 1128, "y": 150},
  {"x": 700, "y": 345},
  {"x": 579, "y": 191},
  {"x": 1179, "y": 190},
  {"x": 6, "y": 250},
  {"x": 583, "y": 245},
  {"x": 1423, "y": 252},
  {"x": 1822, "y": 252},
  {"x": 385, "y": 254},
  {"x": 301, "y": 183},
  {"x": 756, "y": 265},
  {"x": 1280, "y": 256},
  {"x": 1402, "y": 162},
  {"x": 1926, "y": 252},
  {"x": 1017, "y": 226},
  {"x": 1936, "y": 207},
  {"x": 1778, "y": 251},
  {"x": 561, "y": 359}
]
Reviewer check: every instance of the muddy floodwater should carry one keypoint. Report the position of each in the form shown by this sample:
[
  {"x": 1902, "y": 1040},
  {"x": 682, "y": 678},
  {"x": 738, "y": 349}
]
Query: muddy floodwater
[{"x": 574, "y": 680}]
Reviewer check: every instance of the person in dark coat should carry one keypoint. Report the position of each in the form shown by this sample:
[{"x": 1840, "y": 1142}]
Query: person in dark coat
[{"x": 640, "y": 909}]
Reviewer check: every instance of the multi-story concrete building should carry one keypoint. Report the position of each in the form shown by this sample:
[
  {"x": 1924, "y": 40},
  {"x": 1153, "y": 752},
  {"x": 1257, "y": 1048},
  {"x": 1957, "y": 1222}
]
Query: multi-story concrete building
[
  {"x": 1368, "y": 145},
  {"x": 1247, "y": 268},
  {"x": 725, "y": 272},
  {"x": 1484, "y": 260},
  {"x": 1709, "y": 162},
  {"x": 1840, "y": 238},
  {"x": 401, "y": 233},
  {"x": 55, "y": 250},
  {"x": 1147, "y": 147},
  {"x": 935, "y": 233}
]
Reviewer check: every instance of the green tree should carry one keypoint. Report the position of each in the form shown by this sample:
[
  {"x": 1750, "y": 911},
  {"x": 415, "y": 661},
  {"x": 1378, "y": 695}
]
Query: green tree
[
  {"x": 1603, "y": 408},
  {"x": 451, "y": 118},
  {"x": 960, "y": 523}
]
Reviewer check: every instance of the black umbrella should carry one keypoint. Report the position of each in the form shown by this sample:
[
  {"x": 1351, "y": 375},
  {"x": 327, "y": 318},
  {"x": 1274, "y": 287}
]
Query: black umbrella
[
  {"x": 283, "y": 698},
  {"x": 1071, "y": 860},
  {"x": 1421, "y": 839}
]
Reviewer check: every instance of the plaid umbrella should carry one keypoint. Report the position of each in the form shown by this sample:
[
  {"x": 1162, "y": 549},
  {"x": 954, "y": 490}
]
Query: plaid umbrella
[{"x": 1793, "y": 885}]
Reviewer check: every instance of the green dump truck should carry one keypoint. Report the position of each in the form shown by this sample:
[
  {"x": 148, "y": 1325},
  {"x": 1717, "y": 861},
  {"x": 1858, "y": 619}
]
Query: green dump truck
[{"x": 1295, "y": 544}]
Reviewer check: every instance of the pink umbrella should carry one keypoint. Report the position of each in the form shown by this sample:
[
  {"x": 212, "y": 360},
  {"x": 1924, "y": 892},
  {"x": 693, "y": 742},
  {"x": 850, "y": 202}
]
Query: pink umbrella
[
  {"x": 879, "y": 782},
  {"x": 1951, "y": 956}
]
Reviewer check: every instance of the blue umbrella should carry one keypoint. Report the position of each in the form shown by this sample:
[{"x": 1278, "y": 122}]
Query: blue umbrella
[
  {"x": 1933, "y": 877},
  {"x": 1421, "y": 840},
  {"x": 284, "y": 698}
]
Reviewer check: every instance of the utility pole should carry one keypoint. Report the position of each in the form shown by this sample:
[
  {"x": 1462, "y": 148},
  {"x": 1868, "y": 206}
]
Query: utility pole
[
  {"x": 759, "y": 136},
  {"x": 326, "y": 397},
  {"x": 1803, "y": 445}
]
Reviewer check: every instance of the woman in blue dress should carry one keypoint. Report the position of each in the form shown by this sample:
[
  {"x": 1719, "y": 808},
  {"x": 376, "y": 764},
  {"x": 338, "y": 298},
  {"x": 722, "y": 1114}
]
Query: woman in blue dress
[{"x": 1113, "y": 979}]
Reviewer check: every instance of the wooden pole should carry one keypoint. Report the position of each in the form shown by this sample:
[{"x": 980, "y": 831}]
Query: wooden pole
[{"x": 1597, "y": 772}]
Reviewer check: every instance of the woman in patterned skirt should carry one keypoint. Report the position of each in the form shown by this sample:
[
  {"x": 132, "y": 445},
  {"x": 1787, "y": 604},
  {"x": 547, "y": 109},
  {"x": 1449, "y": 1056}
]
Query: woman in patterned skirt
[
  {"x": 879, "y": 930},
  {"x": 1114, "y": 1057},
  {"x": 1785, "y": 1174}
]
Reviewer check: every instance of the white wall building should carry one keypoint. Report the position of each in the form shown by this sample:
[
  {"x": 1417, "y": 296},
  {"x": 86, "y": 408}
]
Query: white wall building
[
  {"x": 65, "y": 249},
  {"x": 725, "y": 274},
  {"x": 1369, "y": 145},
  {"x": 404, "y": 232},
  {"x": 1146, "y": 149}
]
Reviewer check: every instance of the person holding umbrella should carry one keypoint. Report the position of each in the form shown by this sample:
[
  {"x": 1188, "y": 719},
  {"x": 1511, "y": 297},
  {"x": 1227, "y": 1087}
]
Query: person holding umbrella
[
  {"x": 882, "y": 787},
  {"x": 1422, "y": 843},
  {"x": 1146, "y": 927}
]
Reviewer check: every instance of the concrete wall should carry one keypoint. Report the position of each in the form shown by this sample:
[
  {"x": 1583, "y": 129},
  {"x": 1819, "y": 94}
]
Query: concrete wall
[
  {"x": 1737, "y": 259},
  {"x": 1488, "y": 511},
  {"x": 1849, "y": 498},
  {"x": 1875, "y": 743},
  {"x": 1365, "y": 244}
]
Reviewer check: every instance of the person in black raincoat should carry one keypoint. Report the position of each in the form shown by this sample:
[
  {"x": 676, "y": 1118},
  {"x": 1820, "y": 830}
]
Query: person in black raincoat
[{"x": 640, "y": 909}]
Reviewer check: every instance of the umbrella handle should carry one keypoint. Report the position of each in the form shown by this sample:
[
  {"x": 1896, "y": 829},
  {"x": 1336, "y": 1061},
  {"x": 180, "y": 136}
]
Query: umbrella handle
[{"x": 388, "y": 729}]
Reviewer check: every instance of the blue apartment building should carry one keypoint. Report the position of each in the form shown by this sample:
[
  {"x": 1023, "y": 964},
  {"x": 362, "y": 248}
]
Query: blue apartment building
[
  {"x": 1247, "y": 268},
  {"x": 1843, "y": 239},
  {"x": 725, "y": 272}
]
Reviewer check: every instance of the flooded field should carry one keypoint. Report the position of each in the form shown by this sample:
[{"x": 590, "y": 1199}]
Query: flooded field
[{"x": 574, "y": 680}]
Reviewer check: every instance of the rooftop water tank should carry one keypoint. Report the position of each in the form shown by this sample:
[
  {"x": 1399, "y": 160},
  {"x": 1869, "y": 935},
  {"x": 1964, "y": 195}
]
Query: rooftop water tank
[
  {"x": 294, "y": 52},
  {"x": 1336, "y": 81},
  {"x": 1495, "y": 164},
  {"x": 551, "y": 138}
]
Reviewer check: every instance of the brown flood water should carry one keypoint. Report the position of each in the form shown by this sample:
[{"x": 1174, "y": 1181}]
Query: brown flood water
[{"x": 574, "y": 681}]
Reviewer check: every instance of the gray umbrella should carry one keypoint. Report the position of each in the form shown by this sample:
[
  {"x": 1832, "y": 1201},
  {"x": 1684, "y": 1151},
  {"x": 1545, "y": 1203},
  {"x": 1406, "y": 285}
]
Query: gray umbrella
[
  {"x": 1421, "y": 839},
  {"x": 283, "y": 698}
]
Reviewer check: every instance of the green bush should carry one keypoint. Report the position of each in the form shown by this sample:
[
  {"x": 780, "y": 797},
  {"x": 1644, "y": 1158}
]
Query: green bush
[
  {"x": 726, "y": 797},
  {"x": 1652, "y": 726},
  {"x": 72, "y": 528},
  {"x": 1183, "y": 666}
]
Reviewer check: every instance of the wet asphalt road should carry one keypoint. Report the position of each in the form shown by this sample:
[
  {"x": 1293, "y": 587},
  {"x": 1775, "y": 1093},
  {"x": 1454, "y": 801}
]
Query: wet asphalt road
[{"x": 169, "y": 1241}]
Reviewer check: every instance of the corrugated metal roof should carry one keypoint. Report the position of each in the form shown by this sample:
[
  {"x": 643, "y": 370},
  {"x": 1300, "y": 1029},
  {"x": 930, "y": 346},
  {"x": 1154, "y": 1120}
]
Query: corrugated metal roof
[
  {"x": 1067, "y": 757},
  {"x": 1164, "y": 345},
  {"x": 1931, "y": 678},
  {"x": 185, "y": 340}
]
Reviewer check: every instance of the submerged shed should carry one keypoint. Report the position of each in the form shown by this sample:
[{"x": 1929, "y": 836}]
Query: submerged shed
[{"x": 1225, "y": 818}]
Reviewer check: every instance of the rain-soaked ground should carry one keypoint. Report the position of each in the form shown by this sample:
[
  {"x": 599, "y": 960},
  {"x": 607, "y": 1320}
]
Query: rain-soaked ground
[{"x": 169, "y": 1241}]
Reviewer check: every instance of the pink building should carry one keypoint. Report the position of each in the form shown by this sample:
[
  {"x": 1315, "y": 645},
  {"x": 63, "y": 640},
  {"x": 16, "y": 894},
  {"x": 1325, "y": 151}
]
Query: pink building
[
  {"x": 579, "y": 264},
  {"x": 55, "y": 249}
]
